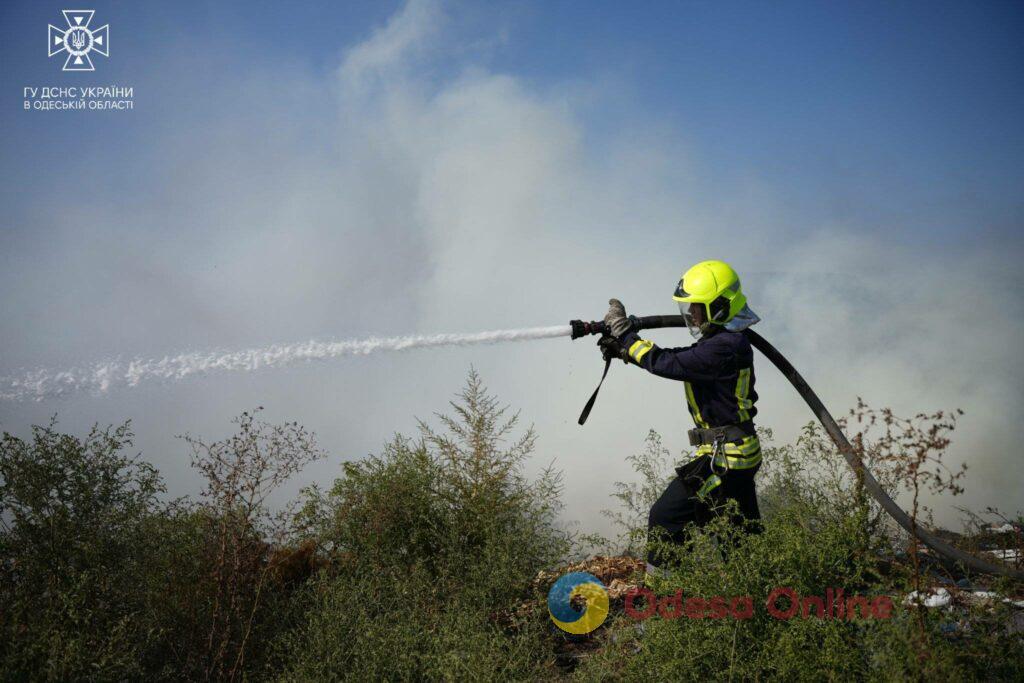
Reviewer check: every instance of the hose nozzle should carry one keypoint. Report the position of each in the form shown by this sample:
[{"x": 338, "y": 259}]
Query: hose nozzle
[{"x": 581, "y": 328}]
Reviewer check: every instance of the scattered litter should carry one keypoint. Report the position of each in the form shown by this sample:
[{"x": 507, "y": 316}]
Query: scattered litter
[
  {"x": 940, "y": 598},
  {"x": 1011, "y": 554}
]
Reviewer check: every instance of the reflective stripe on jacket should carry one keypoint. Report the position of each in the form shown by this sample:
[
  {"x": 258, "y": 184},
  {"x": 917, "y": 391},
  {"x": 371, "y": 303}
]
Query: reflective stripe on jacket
[{"x": 718, "y": 372}]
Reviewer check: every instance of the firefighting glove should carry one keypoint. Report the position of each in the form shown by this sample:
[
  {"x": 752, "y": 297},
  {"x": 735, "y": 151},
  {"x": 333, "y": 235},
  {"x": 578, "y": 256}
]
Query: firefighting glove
[
  {"x": 612, "y": 348},
  {"x": 616, "y": 320}
]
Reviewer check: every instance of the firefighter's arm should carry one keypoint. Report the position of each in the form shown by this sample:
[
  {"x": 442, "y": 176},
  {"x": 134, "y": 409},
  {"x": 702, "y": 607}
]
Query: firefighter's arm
[{"x": 688, "y": 364}]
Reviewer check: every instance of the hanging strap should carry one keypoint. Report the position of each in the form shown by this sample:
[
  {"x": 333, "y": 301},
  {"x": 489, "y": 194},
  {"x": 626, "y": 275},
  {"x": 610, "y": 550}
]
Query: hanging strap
[{"x": 593, "y": 397}]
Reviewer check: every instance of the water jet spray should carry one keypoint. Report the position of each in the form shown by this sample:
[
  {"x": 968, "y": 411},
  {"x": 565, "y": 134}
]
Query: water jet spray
[{"x": 100, "y": 378}]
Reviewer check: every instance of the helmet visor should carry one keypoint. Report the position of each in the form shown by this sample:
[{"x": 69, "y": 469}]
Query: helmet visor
[{"x": 694, "y": 316}]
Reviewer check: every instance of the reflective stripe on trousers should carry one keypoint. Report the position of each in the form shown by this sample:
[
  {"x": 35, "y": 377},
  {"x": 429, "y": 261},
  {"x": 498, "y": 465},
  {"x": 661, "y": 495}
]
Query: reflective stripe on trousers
[{"x": 737, "y": 456}]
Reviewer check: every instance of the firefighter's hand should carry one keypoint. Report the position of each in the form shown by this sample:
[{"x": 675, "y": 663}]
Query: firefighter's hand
[
  {"x": 612, "y": 348},
  {"x": 616, "y": 320}
]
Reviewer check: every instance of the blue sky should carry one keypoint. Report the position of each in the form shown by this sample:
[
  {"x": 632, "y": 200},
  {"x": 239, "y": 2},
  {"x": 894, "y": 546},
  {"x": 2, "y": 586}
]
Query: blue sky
[
  {"x": 339, "y": 169},
  {"x": 877, "y": 112}
]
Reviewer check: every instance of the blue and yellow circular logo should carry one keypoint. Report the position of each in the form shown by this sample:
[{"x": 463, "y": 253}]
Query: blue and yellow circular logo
[{"x": 560, "y": 607}]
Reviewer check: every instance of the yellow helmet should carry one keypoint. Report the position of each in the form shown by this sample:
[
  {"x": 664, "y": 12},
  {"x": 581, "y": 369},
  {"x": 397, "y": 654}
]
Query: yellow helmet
[{"x": 715, "y": 287}]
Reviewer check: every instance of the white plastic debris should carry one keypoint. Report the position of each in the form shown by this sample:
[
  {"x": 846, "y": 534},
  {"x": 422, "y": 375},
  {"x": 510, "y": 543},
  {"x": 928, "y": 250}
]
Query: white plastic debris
[
  {"x": 977, "y": 597},
  {"x": 940, "y": 598}
]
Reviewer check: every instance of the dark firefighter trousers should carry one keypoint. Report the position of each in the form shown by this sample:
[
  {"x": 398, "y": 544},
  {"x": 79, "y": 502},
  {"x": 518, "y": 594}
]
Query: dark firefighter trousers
[{"x": 679, "y": 509}]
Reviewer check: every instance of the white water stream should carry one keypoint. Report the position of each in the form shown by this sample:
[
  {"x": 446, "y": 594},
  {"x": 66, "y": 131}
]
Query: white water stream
[{"x": 101, "y": 377}]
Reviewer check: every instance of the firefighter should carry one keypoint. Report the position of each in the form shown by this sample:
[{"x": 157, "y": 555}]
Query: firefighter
[{"x": 718, "y": 375}]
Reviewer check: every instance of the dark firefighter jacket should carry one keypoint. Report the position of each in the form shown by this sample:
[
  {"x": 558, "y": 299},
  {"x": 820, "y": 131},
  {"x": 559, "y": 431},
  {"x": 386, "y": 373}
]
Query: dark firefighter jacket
[{"x": 718, "y": 373}]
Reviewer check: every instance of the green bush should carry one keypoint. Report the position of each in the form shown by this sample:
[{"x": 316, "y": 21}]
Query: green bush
[
  {"x": 76, "y": 540},
  {"x": 421, "y": 563},
  {"x": 100, "y": 580},
  {"x": 430, "y": 543}
]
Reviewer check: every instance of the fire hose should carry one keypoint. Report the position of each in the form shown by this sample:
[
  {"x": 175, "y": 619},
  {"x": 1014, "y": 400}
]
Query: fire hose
[{"x": 945, "y": 550}]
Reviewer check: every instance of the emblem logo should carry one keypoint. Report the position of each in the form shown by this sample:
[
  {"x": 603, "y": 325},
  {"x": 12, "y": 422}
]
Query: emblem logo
[
  {"x": 588, "y": 589},
  {"x": 78, "y": 40}
]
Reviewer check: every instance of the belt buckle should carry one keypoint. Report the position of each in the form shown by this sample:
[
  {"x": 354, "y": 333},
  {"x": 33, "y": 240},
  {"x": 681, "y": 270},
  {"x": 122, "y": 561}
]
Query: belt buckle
[{"x": 718, "y": 454}]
